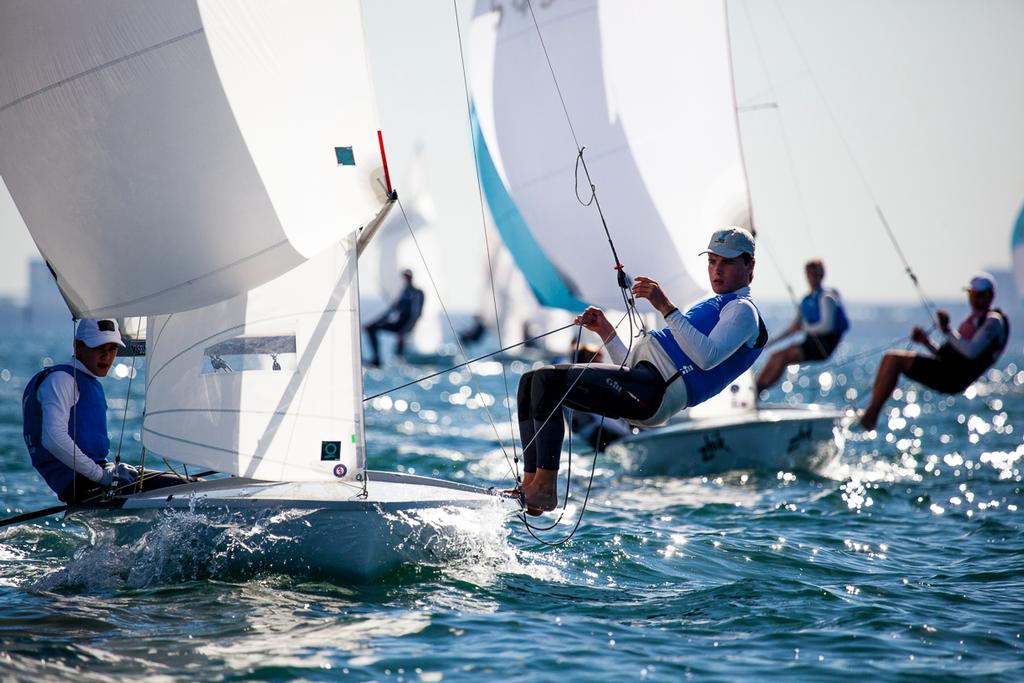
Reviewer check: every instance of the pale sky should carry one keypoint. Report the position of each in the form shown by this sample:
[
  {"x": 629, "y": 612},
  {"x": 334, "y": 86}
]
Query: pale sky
[{"x": 915, "y": 105}]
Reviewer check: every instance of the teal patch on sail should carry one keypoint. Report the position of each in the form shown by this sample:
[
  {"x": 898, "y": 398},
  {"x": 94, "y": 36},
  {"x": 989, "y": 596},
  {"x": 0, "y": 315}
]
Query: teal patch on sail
[
  {"x": 330, "y": 450},
  {"x": 345, "y": 156}
]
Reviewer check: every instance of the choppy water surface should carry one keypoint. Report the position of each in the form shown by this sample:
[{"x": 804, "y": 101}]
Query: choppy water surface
[{"x": 908, "y": 564}]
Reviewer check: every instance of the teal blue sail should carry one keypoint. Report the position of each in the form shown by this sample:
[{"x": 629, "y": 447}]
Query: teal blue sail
[{"x": 547, "y": 284}]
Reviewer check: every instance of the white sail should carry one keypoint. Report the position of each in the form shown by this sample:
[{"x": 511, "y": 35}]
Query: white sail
[
  {"x": 167, "y": 155},
  {"x": 650, "y": 96},
  {"x": 265, "y": 385}
]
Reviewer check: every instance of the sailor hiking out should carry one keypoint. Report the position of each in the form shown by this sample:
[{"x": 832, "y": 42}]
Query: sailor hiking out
[
  {"x": 694, "y": 357},
  {"x": 823, "y": 320},
  {"x": 967, "y": 352},
  {"x": 400, "y": 317}
]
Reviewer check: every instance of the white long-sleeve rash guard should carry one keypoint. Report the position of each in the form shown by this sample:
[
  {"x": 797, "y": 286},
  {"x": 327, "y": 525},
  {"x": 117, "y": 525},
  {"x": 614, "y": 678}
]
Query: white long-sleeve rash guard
[
  {"x": 58, "y": 394},
  {"x": 989, "y": 331},
  {"x": 737, "y": 325}
]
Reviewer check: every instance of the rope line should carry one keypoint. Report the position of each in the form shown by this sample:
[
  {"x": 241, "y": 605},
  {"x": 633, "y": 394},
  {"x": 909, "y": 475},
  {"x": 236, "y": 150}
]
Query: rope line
[
  {"x": 451, "y": 325},
  {"x": 487, "y": 242},
  {"x": 532, "y": 528},
  {"x": 124, "y": 415},
  {"x": 853, "y": 160},
  {"x": 468, "y": 362}
]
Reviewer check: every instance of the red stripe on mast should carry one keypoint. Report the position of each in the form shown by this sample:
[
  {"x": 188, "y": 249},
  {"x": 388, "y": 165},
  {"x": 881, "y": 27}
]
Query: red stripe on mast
[{"x": 384, "y": 158}]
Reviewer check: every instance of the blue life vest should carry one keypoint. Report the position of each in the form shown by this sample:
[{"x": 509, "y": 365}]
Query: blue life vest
[
  {"x": 703, "y": 384},
  {"x": 87, "y": 425},
  {"x": 810, "y": 311}
]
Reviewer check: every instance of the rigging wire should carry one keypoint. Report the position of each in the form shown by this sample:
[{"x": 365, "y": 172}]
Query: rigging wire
[
  {"x": 782, "y": 128},
  {"x": 468, "y": 362},
  {"x": 451, "y": 325},
  {"x": 622, "y": 278},
  {"x": 487, "y": 242},
  {"x": 74, "y": 430},
  {"x": 532, "y": 528},
  {"x": 124, "y": 415},
  {"x": 926, "y": 302}
]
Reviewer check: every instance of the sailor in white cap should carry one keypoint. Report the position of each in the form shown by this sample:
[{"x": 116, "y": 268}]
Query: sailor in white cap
[
  {"x": 696, "y": 355},
  {"x": 65, "y": 417},
  {"x": 966, "y": 353}
]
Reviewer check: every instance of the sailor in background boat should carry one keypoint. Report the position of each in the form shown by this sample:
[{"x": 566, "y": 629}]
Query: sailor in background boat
[
  {"x": 968, "y": 351},
  {"x": 823, "y": 321},
  {"x": 693, "y": 358},
  {"x": 400, "y": 318},
  {"x": 65, "y": 421}
]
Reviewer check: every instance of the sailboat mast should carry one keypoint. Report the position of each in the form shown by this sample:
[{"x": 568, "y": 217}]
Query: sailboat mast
[{"x": 736, "y": 118}]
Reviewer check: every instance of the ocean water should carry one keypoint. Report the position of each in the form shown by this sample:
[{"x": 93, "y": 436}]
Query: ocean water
[{"x": 905, "y": 562}]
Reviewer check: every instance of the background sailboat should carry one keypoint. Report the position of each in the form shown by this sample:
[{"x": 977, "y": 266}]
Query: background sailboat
[
  {"x": 663, "y": 146},
  {"x": 185, "y": 162}
]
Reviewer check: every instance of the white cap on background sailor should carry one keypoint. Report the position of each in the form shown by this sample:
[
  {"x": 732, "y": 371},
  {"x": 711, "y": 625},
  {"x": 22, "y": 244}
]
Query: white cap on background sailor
[{"x": 95, "y": 333}]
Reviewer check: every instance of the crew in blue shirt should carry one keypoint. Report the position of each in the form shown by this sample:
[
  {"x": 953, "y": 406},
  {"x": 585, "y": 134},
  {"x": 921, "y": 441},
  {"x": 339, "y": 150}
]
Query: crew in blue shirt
[
  {"x": 821, "y": 318},
  {"x": 695, "y": 356},
  {"x": 65, "y": 422}
]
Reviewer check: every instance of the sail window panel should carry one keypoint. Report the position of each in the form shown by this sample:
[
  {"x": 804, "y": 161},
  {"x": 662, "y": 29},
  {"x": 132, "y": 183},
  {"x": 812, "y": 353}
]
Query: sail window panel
[{"x": 250, "y": 354}]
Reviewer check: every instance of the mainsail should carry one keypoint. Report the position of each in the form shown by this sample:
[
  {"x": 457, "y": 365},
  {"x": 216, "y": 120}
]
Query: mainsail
[
  {"x": 169, "y": 155},
  {"x": 649, "y": 94}
]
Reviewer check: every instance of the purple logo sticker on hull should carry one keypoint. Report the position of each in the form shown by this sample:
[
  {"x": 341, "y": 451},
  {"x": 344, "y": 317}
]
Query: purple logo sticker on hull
[{"x": 340, "y": 471}]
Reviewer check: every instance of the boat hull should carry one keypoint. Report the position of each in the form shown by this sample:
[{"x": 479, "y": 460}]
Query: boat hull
[
  {"x": 313, "y": 528},
  {"x": 769, "y": 439}
]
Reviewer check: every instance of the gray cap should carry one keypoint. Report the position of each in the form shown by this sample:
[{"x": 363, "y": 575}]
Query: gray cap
[{"x": 730, "y": 242}]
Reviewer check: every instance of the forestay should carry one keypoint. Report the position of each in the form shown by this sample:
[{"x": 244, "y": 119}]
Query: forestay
[
  {"x": 167, "y": 155},
  {"x": 268, "y": 384},
  {"x": 649, "y": 93}
]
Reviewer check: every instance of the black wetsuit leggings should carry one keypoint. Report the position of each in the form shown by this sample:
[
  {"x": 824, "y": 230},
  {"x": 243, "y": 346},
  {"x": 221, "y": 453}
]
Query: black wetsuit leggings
[{"x": 631, "y": 393}]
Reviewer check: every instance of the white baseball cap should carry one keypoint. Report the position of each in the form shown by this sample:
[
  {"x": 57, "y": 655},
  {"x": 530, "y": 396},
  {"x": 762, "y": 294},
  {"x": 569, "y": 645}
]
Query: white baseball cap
[
  {"x": 95, "y": 333},
  {"x": 982, "y": 282},
  {"x": 730, "y": 242}
]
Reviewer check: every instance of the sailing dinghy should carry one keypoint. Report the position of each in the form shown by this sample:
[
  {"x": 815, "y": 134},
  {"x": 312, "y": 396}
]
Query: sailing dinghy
[
  {"x": 217, "y": 167},
  {"x": 650, "y": 96}
]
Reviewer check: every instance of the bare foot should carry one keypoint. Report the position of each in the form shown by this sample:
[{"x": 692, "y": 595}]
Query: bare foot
[
  {"x": 542, "y": 493},
  {"x": 527, "y": 478},
  {"x": 868, "y": 420}
]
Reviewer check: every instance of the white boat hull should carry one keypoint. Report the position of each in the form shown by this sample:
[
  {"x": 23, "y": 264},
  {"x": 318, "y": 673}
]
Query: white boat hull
[
  {"x": 315, "y": 528},
  {"x": 767, "y": 439}
]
